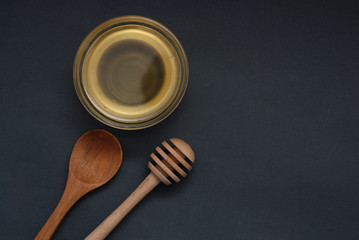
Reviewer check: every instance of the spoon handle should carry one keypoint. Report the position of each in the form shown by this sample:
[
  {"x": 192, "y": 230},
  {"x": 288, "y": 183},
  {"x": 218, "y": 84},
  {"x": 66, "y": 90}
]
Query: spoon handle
[
  {"x": 101, "y": 232},
  {"x": 68, "y": 199}
]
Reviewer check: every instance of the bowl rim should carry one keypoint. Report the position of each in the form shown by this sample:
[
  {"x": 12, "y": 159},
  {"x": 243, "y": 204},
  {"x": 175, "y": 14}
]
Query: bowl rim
[{"x": 95, "y": 34}]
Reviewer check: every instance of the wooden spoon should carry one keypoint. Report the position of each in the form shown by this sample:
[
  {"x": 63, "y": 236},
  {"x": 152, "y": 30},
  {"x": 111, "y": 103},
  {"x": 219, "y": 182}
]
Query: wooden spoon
[
  {"x": 95, "y": 159},
  {"x": 163, "y": 168}
]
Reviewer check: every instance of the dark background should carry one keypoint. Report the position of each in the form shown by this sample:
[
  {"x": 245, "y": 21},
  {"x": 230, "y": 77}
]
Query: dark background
[{"x": 271, "y": 111}]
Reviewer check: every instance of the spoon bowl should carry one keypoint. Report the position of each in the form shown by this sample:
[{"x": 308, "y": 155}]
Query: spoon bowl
[{"x": 95, "y": 159}]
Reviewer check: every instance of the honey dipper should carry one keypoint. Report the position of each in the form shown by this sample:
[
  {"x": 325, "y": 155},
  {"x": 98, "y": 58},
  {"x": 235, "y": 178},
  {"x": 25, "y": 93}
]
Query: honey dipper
[{"x": 164, "y": 168}]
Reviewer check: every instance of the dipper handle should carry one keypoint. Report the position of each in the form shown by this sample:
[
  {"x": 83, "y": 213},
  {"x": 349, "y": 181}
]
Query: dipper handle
[{"x": 101, "y": 232}]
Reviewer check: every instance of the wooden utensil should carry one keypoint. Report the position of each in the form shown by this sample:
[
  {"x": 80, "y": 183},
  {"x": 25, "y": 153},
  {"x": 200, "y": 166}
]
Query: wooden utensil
[
  {"x": 95, "y": 159},
  {"x": 170, "y": 160}
]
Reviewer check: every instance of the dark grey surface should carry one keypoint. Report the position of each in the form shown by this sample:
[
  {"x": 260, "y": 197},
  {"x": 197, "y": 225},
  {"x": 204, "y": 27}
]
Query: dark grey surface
[{"x": 271, "y": 112}]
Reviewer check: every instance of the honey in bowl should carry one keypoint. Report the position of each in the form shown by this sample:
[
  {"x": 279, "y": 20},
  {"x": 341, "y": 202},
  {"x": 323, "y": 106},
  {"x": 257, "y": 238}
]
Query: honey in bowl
[{"x": 130, "y": 72}]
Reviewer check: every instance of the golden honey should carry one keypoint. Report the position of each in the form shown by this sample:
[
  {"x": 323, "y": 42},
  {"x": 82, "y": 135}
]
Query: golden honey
[{"x": 130, "y": 74}]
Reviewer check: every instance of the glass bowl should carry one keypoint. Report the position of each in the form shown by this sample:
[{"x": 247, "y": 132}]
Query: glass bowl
[{"x": 130, "y": 72}]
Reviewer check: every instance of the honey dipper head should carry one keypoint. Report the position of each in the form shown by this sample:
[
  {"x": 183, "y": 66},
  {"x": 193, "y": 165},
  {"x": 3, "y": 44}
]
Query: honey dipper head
[{"x": 172, "y": 160}]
